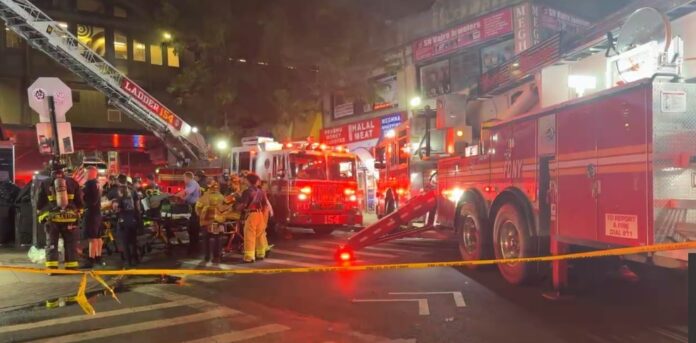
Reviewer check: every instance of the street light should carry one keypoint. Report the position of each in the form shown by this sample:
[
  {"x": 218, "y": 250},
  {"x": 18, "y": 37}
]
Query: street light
[
  {"x": 167, "y": 36},
  {"x": 415, "y": 101},
  {"x": 221, "y": 144}
]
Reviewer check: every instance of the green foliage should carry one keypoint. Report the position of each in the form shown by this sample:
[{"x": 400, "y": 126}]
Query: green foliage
[{"x": 259, "y": 64}]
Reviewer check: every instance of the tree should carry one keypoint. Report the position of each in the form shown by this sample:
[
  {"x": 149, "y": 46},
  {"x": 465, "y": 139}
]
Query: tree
[{"x": 256, "y": 65}]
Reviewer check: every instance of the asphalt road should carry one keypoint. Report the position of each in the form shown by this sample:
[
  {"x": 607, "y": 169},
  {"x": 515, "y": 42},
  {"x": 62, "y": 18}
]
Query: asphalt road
[{"x": 424, "y": 305}]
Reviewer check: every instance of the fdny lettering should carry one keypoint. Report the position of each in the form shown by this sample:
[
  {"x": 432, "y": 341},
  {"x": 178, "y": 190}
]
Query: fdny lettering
[{"x": 513, "y": 169}]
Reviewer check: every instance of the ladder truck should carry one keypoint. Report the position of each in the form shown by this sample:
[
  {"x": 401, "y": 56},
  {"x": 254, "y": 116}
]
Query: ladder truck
[
  {"x": 615, "y": 168},
  {"x": 46, "y": 35}
]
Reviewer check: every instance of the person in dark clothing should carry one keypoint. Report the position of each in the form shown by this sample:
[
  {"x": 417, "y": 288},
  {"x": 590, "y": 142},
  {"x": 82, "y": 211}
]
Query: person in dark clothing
[
  {"x": 8, "y": 194},
  {"x": 128, "y": 218},
  {"x": 60, "y": 200},
  {"x": 150, "y": 183},
  {"x": 190, "y": 194},
  {"x": 93, "y": 217}
]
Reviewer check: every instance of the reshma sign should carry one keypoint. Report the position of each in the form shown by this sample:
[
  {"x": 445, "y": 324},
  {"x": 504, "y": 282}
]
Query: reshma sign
[{"x": 153, "y": 105}]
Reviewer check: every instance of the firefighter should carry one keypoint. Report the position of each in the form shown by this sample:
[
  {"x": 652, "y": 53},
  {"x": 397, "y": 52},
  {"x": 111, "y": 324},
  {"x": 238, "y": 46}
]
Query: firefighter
[
  {"x": 93, "y": 217},
  {"x": 254, "y": 204},
  {"x": 126, "y": 204},
  {"x": 209, "y": 208},
  {"x": 60, "y": 199}
]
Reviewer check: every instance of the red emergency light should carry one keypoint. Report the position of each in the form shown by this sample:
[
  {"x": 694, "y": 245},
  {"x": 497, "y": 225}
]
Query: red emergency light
[{"x": 344, "y": 254}]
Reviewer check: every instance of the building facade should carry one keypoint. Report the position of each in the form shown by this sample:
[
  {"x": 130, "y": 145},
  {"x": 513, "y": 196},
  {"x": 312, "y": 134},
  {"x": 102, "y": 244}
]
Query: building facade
[{"x": 125, "y": 33}]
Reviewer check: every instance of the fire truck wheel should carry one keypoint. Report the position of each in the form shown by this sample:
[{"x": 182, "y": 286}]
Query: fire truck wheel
[
  {"x": 511, "y": 239},
  {"x": 323, "y": 231},
  {"x": 474, "y": 237}
]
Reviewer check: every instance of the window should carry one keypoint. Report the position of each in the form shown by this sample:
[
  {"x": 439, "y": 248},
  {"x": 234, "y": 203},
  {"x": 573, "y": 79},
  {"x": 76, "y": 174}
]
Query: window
[
  {"x": 341, "y": 168},
  {"x": 120, "y": 45},
  {"x": 138, "y": 51},
  {"x": 92, "y": 37},
  {"x": 93, "y": 6},
  {"x": 308, "y": 167},
  {"x": 120, "y": 12},
  {"x": 113, "y": 116},
  {"x": 435, "y": 79},
  {"x": 12, "y": 40},
  {"x": 156, "y": 54},
  {"x": 172, "y": 57},
  {"x": 244, "y": 161}
]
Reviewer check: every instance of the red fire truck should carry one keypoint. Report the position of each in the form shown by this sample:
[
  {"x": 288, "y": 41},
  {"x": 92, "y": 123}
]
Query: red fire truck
[
  {"x": 310, "y": 185},
  {"x": 611, "y": 169}
]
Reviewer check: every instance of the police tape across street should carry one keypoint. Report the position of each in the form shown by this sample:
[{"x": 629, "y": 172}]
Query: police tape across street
[{"x": 97, "y": 275}]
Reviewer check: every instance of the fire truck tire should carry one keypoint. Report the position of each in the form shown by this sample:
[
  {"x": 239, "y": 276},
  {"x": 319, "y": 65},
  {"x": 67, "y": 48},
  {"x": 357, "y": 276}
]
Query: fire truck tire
[
  {"x": 323, "y": 231},
  {"x": 511, "y": 239},
  {"x": 473, "y": 234}
]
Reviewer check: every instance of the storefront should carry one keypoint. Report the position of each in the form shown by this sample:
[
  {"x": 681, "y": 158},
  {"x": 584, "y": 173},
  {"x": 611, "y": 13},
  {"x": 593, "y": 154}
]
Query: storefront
[{"x": 360, "y": 138}]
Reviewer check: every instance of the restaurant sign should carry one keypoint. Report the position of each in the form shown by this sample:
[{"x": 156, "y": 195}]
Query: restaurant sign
[{"x": 360, "y": 130}]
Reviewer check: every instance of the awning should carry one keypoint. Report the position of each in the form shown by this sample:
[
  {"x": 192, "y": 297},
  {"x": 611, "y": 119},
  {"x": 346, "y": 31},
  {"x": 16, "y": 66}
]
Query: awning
[{"x": 363, "y": 150}]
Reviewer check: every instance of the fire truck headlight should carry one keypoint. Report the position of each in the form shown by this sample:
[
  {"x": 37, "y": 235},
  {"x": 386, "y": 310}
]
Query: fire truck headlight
[
  {"x": 302, "y": 197},
  {"x": 348, "y": 191},
  {"x": 353, "y": 197},
  {"x": 306, "y": 190},
  {"x": 456, "y": 194}
]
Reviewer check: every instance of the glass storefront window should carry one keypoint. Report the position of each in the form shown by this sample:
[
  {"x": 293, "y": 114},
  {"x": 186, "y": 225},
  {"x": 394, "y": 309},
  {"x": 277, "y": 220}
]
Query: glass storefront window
[
  {"x": 172, "y": 57},
  {"x": 138, "y": 51},
  {"x": 156, "y": 54},
  {"x": 92, "y": 37},
  {"x": 120, "y": 45}
]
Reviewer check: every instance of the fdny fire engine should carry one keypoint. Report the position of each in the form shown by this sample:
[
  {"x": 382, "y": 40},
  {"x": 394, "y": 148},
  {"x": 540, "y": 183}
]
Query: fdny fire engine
[
  {"x": 569, "y": 170},
  {"x": 310, "y": 185}
]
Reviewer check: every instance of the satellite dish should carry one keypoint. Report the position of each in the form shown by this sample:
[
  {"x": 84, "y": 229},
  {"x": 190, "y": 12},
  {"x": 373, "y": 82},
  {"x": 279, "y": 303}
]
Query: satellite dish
[{"x": 645, "y": 25}]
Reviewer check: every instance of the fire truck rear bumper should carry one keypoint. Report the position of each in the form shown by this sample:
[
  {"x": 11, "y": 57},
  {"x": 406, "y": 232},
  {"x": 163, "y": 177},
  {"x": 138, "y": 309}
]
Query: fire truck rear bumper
[{"x": 321, "y": 220}]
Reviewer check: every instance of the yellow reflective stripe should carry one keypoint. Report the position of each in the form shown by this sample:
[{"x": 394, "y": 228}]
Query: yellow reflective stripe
[
  {"x": 71, "y": 196},
  {"x": 71, "y": 264},
  {"x": 52, "y": 304},
  {"x": 51, "y": 263},
  {"x": 51, "y": 198}
]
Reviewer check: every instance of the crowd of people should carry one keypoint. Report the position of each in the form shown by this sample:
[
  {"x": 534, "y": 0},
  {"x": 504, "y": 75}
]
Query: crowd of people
[{"x": 211, "y": 202}]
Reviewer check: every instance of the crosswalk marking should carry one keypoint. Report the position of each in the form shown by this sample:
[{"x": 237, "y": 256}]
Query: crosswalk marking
[
  {"x": 148, "y": 325},
  {"x": 362, "y": 253},
  {"x": 300, "y": 254},
  {"x": 377, "y": 248},
  {"x": 289, "y": 262},
  {"x": 98, "y": 315},
  {"x": 235, "y": 336}
]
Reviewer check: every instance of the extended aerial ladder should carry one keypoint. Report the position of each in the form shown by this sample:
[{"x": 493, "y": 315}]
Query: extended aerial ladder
[{"x": 44, "y": 34}]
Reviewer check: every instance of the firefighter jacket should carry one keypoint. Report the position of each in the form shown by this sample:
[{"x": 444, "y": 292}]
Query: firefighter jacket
[
  {"x": 212, "y": 207},
  {"x": 48, "y": 206}
]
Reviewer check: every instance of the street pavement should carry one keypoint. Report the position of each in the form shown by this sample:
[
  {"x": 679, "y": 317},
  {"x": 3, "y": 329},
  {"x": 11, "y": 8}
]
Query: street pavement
[{"x": 405, "y": 305}]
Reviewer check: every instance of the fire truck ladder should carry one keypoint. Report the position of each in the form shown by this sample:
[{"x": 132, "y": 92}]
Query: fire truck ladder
[
  {"x": 44, "y": 34},
  {"x": 389, "y": 227}
]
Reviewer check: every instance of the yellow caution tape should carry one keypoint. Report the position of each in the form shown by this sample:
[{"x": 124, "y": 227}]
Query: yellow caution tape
[
  {"x": 81, "y": 297},
  {"x": 96, "y": 274}
]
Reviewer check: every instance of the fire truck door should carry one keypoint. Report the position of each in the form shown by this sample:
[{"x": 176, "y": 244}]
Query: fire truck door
[
  {"x": 577, "y": 165},
  {"x": 622, "y": 168}
]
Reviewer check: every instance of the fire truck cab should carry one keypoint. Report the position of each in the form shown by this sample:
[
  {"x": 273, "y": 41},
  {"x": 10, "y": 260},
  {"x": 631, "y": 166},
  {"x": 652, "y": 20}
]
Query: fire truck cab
[
  {"x": 406, "y": 160},
  {"x": 310, "y": 185}
]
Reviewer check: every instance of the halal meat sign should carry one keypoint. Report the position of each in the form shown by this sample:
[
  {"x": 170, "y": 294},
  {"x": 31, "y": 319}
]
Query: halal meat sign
[{"x": 153, "y": 105}]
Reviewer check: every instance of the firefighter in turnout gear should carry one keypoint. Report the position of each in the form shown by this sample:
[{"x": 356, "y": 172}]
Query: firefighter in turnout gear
[
  {"x": 210, "y": 208},
  {"x": 60, "y": 203},
  {"x": 254, "y": 204}
]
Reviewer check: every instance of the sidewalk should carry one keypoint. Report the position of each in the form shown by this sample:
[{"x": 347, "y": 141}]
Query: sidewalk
[{"x": 20, "y": 290}]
